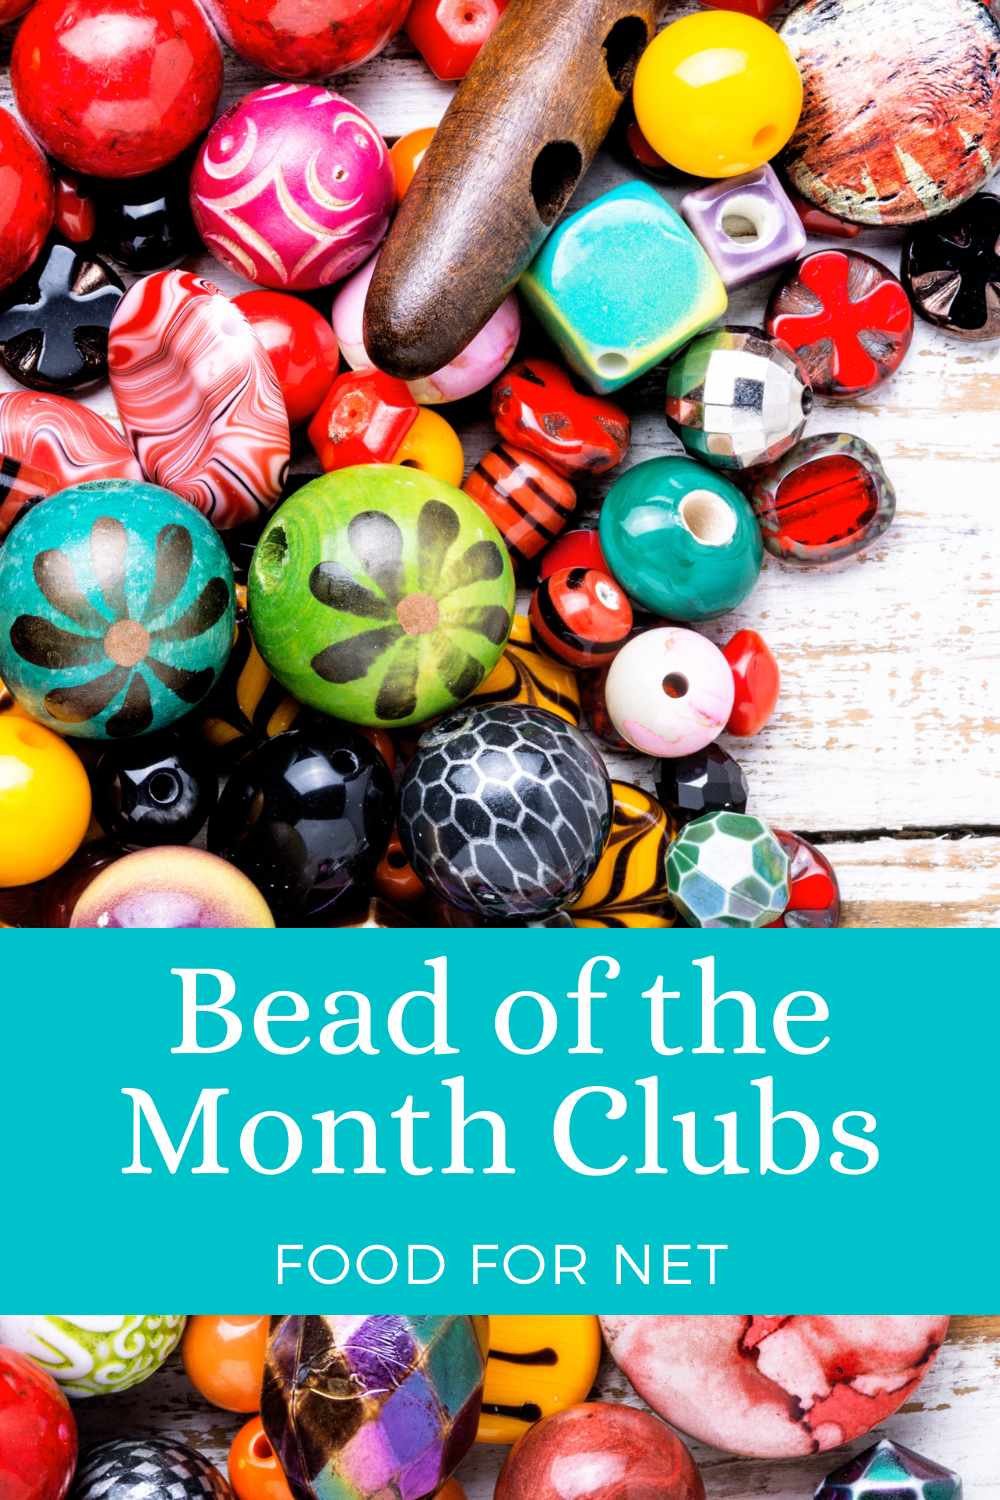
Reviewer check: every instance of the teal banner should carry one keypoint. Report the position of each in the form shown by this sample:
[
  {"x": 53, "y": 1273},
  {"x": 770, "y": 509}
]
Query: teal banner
[{"x": 529, "y": 1121}]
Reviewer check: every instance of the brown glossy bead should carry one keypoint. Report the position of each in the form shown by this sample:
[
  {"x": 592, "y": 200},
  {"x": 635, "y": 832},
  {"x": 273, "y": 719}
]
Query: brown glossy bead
[
  {"x": 599, "y": 1451},
  {"x": 527, "y": 501},
  {"x": 395, "y": 879},
  {"x": 535, "y": 406},
  {"x": 60, "y": 893}
]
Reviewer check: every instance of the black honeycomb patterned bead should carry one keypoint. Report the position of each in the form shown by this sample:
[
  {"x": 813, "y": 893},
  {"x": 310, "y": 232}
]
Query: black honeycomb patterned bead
[
  {"x": 505, "y": 810},
  {"x": 146, "y": 1469}
]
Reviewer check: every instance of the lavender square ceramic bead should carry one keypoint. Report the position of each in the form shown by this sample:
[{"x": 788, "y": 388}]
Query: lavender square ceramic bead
[{"x": 722, "y": 215}]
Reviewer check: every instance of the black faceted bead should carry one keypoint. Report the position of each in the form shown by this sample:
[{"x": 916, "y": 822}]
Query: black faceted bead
[
  {"x": 950, "y": 268},
  {"x": 145, "y": 223},
  {"x": 708, "y": 781},
  {"x": 154, "y": 791},
  {"x": 54, "y": 322},
  {"x": 307, "y": 817}
]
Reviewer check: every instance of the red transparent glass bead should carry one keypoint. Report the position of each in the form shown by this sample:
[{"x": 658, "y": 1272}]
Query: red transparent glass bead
[
  {"x": 574, "y": 549},
  {"x": 815, "y": 892},
  {"x": 302, "y": 347},
  {"x": 756, "y": 679},
  {"x": 846, "y": 316},
  {"x": 818, "y": 221},
  {"x": 525, "y": 499},
  {"x": 448, "y": 34},
  {"x": 535, "y": 406},
  {"x": 824, "y": 500},
  {"x": 580, "y": 616},
  {"x": 363, "y": 419},
  {"x": 21, "y": 486},
  {"x": 27, "y": 200},
  {"x": 76, "y": 215}
]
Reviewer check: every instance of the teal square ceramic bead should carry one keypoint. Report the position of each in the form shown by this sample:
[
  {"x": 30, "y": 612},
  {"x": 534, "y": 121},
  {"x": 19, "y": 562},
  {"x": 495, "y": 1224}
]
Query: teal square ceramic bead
[{"x": 622, "y": 284}]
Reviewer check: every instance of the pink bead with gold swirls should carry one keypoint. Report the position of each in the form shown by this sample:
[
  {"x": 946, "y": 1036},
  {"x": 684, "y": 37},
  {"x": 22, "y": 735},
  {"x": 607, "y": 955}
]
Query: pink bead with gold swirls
[
  {"x": 63, "y": 438},
  {"x": 293, "y": 187},
  {"x": 198, "y": 397}
]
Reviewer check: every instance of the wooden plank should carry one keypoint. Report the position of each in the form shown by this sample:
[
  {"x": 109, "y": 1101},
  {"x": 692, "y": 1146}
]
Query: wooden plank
[{"x": 954, "y": 1419}]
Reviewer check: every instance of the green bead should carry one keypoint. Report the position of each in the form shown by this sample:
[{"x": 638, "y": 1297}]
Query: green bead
[
  {"x": 380, "y": 595},
  {"x": 117, "y": 609},
  {"x": 94, "y": 1356},
  {"x": 681, "y": 539},
  {"x": 728, "y": 870}
]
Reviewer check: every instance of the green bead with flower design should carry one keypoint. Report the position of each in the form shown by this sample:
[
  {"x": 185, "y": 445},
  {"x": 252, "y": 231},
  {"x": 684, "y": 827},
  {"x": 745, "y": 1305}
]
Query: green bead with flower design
[
  {"x": 117, "y": 609},
  {"x": 380, "y": 595}
]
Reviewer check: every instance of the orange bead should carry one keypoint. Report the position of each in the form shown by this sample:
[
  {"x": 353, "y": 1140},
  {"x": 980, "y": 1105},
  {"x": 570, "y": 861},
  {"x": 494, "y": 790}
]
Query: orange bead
[
  {"x": 254, "y": 1471},
  {"x": 224, "y": 1358},
  {"x": 450, "y": 1491},
  {"x": 395, "y": 879},
  {"x": 406, "y": 156}
]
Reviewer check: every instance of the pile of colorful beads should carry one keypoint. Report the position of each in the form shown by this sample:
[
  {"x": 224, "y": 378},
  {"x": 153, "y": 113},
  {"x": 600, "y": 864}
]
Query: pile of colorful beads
[{"x": 396, "y": 743}]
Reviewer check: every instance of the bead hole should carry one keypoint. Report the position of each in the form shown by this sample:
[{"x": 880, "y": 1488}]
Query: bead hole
[
  {"x": 612, "y": 364},
  {"x": 164, "y": 787},
  {"x": 397, "y": 859},
  {"x": 554, "y": 175},
  {"x": 273, "y": 555},
  {"x": 675, "y": 685},
  {"x": 623, "y": 47},
  {"x": 739, "y": 228},
  {"x": 33, "y": 736},
  {"x": 765, "y": 136},
  {"x": 260, "y": 1448},
  {"x": 707, "y": 517}
]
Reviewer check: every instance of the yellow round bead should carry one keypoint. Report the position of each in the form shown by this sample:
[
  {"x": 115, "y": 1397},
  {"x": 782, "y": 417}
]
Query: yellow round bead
[
  {"x": 433, "y": 446},
  {"x": 44, "y": 801},
  {"x": 717, "y": 94}
]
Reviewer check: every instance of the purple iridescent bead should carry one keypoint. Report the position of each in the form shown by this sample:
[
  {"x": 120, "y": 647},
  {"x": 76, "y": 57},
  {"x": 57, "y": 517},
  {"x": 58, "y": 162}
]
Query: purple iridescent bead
[
  {"x": 746, "y": 225},
  {"x": 358, "y": 1407}
]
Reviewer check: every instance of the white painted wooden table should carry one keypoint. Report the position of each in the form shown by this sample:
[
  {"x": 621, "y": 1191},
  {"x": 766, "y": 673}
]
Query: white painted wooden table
[
  {"x": 885, "y": 741},
  {"x": 954, "y": 1418}
]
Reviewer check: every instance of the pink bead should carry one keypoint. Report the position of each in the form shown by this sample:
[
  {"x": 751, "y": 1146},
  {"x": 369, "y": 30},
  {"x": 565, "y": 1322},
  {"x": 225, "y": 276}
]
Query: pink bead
[
  {"x": 293, "y": 188},
  {"x": 198, "y": 397},
  {"x": 480, "y": 362},
  {"x": 669, "y": 692},
  {"x": 63, "y": 438}
]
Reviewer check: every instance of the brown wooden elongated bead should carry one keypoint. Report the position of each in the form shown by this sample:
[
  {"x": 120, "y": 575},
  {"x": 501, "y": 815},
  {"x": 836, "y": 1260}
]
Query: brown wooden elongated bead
[{"x": 519, "y": 134}]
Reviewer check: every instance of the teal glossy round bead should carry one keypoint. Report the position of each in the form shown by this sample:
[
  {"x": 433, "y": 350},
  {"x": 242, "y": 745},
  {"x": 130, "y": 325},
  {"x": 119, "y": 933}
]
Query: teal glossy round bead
[
  {"x": 117, "y": 609},
  {"x": 680, "y": 539}
]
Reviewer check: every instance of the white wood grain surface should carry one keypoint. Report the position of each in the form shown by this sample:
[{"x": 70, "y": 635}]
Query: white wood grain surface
[
  {"x": 954, "y": 1419},
  {"x": 890, "y": 710}
]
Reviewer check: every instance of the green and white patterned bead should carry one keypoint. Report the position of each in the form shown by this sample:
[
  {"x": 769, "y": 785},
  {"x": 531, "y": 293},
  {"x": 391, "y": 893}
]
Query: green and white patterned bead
[
  {"x": 91, "y": 1355},
  {"x": 728, "y": 870}
]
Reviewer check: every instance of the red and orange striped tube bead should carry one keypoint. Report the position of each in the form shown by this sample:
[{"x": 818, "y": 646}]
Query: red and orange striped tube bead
[{"x": 528, "y": 502}]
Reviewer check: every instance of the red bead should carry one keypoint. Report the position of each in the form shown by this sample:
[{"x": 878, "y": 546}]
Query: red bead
[
  {"x": 649, "y": 160},
  {"x": 815, "y": 892},
  {"x": 38, "y": 1443},
  {"x": 580, "y": 616},
  {"x": 395, "y": 880},
  {"x": 21, "y": 486},
  {"x": 308, "y": 40},
  {"x": 302, "y": 347},
  {"x": 574, "y": 549},
  {"x": 757, "y": 680},
  {"x": 846, "y": 316},
  {"x": 536, "y": 407},
  {"x": 527, "y": 501},
  {"x": 27, "y": 200},
  {"x": 116, "y": 88},
  {"x": 594, "y": 705},
  {"x": 11, "y": 9},
  {"x": 599, "y": 1451},
  {"x": 759, "y": 9},
  {"x": 824, "y": 500},
  {"x": 448, "y": 34},
  {"x": 818, "y": 221},
  {"x": 363, "y": 419},
  {"x": 76, "y": 216}
]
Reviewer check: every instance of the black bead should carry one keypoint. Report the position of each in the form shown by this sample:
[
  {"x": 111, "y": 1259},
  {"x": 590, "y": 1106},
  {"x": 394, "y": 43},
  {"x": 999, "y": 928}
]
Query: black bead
[
  {"x": 708, "y": 781},
  {"x": 154, "y": 791},
  {"x": 145, "y": 223},
  {"x": 146, "y": 1469},
  {"x": 54, "y": 322},
  {"x": 950, "y": 268},
  {"x": 307, "y": 817}
]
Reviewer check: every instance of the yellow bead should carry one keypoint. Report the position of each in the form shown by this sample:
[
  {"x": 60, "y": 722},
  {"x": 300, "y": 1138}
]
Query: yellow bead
[
  {"x": 629, "y": 886},
  {"x": 537, "y": 1366},
  {"x": 717, "y": 94},
  {"x": 44, "y": 801},
  {"x": 523, "y": 675},
  {"x": 433, "y": 446}
]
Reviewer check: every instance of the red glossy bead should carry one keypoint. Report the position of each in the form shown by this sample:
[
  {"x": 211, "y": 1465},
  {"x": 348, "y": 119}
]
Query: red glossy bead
[
  {"x": 525, "y": 499},
  {"x": 27, "y": 200},
  {"x": 580, "y": 616},
  {"x": 116, "y": 88},
  {"x": 302, "y": 347},
  {"x": 759, "y": 9},
  {"x": 757, "y": 680},
  {"x": 846, "y": 316},
  {"x": 21, "y": 486},
  {"x": 594, "y": 705},
  {"x": 11, "y": 9},
  {"x": 448, "y": 34},
  {"x": 363, "y": 419},
  {"x": 38, "y": 1443},
  {"x": 815, "y": 891},
  {"x": 536, "y": 407},
  {"x": 651, "y": 162},
  {"x": 599, "y": 1451},
  {"x": 312, "y": 39},
  {"x": 574, "y": 549},
  {"x": 818, "y": 221},
  {"x": 76, "y": 214}
]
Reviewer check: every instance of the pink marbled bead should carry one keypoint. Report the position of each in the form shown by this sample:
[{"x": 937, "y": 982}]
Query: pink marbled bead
[
  {"x": 198, "y": 397},
  {"x": 669, "y": 692},
  {"x": 64, "y": 438},
  {"x": 478, "y": 365},
  {"x": 293, "y": 187}
]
